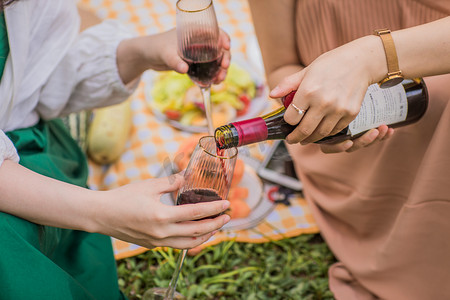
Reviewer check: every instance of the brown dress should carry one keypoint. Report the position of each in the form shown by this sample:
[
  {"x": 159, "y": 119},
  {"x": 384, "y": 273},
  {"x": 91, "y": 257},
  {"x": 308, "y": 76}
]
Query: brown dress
[{"x": 384, "y": 210}]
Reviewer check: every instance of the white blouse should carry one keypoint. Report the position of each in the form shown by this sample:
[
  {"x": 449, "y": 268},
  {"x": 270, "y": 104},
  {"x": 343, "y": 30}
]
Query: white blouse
[{"x": 52, "y": 69}]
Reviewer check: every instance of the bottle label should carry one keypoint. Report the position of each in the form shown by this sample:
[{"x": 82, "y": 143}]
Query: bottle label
[{"x": 380, "y": 106}]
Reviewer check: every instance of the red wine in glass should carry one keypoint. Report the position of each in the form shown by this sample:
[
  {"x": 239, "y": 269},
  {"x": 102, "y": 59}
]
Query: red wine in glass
[
  {"x": 204, "y": 63},
  {"x": 197, "y": 196}
]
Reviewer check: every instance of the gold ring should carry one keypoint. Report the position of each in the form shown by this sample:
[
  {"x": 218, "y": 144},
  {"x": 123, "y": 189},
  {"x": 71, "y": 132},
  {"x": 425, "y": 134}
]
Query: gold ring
[{"x": 299, "y": 111}]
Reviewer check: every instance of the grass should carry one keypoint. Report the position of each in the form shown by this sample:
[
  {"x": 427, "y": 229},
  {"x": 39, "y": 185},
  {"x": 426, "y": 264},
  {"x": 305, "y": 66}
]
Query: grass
[{"x": 294, "y": 268}]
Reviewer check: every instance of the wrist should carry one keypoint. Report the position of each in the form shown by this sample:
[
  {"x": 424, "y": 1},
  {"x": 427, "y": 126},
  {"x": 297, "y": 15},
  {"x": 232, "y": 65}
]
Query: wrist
[
  {"x": 97, "y": 212},
  {"x": 394, "y": 75},
  {"x": 375, "y": 58},
  {"x": 89, "y": 207},
  {"x": 131, "y": 61}
]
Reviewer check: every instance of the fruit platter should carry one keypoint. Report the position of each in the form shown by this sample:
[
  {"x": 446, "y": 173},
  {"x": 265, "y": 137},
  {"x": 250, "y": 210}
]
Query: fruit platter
[{"x": 174, "y": 98}]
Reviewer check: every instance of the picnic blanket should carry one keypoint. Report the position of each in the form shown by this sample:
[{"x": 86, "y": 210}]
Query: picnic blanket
[{"x": 153, "y": 140}]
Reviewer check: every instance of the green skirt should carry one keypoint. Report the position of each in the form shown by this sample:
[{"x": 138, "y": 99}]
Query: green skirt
[{"x": 42, "y": 262}]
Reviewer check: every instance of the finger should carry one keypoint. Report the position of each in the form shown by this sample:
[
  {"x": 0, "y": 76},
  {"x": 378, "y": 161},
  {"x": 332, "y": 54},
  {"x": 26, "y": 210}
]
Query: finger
[
  {"x": 183, "y": 242},
  {"x": 197, "y": 228},
  {"x": 225, "y": 39},
  {"x": 179, "y": 65},
  {"x": 221, "y": 75},
  {"x": 341, "y": 125},
  {"x": 365, "y": 140},
  {"x": 194, "y": 251},
  {"x": 294, "y": 114},
  {"x": 336, "y": 148},
  {"x": 226, "y": 60},
  {"x": 189, "y": 212},
  {"x": 382, "y": 131},
  {"x": 306, "y": 127},
  {"x": 324, "y": 129},
  {"x": 168, "y": 184},
  {"x": 224, "y": 65},
  {"x": 388, "y": 134},
  {"x": 288, "y": 84}
]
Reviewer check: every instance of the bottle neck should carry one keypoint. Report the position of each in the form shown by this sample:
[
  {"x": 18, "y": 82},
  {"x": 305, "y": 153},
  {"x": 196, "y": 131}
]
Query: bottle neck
[
  {"x": 226, "y": 136},
  {"x": 251, "y": 131}
]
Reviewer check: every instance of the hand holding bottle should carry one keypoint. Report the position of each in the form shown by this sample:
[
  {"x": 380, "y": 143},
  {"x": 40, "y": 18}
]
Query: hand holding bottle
[
  {"x": 397, "y": 106},
  {"x": 331, "y": 89}
]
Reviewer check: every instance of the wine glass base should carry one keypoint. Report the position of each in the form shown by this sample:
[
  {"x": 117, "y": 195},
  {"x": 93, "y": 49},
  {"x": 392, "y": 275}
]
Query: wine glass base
[{"x": 158, "y": 294}]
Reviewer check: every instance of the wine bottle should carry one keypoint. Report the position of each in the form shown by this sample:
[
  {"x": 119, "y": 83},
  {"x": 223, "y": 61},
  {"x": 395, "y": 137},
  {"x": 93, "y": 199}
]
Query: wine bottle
[{"x": 396, "y": 106}]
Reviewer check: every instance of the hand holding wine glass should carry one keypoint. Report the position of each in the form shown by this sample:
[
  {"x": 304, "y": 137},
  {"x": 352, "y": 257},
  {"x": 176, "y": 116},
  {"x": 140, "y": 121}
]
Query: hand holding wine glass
[
  {"x": 145, "y": 220},
  {"x": 201, "y": 45},
  {"x": 207, "y": 178}
]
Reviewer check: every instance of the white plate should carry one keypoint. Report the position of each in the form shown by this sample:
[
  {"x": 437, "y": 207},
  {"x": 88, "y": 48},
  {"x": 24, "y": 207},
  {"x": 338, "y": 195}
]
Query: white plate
[
  {"x": 259, "y": 204},
  {"x": 257, "y": 105}
]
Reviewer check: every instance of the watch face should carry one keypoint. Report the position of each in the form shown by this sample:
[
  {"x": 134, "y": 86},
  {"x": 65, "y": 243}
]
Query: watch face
[{"x": 390, "y": 82}]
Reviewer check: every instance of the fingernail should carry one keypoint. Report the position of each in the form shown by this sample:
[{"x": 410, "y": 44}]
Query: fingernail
[
  {"x": 275, "y": 90},
  {"x": 181, "y": 67},
  {"x": 214, "y": 232},
  {"x": 226, "y": 204},
  {"x": 227, "y": 219},
  {"x": 348, "y": 144}
]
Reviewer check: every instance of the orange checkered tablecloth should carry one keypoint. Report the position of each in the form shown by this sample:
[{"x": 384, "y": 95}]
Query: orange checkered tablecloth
[{"x": 152, "y": 141}]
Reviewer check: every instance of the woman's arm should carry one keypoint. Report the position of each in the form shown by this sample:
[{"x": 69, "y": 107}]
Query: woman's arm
[
  {"x": 131, "y": 213},
  {"x": 104, "y": 65},
  {"x": 275, "y": 23},
  {"x": 332, "y": 87},
  {"x": 423, "y": 50}
]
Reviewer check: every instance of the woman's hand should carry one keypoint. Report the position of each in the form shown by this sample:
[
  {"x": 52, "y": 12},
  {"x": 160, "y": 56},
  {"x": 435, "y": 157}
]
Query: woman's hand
[
  {"x": 134, "y": 213},
  {"x": 372, "y": 136},
  {"x": 160, "y": 52},
  {"x": 331, "y": 89}
]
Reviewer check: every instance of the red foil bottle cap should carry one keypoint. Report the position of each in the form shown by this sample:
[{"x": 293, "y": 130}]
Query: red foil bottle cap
[
  {"x": 287, "y": 100},
  {"x": 251, "y": 131}
]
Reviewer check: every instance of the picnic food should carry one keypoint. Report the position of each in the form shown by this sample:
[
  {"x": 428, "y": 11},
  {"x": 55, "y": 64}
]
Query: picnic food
[
  {"x": 237, "y": 196},
  {"x": 239, "y": 169},
  {"x": 239, "y": 209},
  {"x": 179, "y": 99},
  {"x": 108, "y": 132}
]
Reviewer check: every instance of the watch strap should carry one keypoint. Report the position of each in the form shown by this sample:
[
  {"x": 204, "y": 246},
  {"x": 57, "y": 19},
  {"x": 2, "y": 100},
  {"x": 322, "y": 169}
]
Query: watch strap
[{"x": 390, "y": 52}]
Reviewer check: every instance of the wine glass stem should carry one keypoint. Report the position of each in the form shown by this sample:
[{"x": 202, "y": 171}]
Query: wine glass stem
[
  {"x": 173, "y": 282},
  {"x": 206, "y": 92}
]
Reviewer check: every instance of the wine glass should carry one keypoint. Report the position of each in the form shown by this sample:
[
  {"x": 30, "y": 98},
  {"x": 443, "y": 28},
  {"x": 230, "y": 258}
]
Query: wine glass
[
  {"x": 199, "y": 45},
  {"x": 207, "y": 178}
]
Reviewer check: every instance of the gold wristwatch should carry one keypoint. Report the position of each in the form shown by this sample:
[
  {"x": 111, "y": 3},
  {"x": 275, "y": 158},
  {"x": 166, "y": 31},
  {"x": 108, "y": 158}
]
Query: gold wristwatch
[{"x": 394, "y": 75}]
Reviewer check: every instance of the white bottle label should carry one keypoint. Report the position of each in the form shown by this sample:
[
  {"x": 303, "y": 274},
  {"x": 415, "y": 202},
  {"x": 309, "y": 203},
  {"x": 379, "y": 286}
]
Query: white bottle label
[{"x": 380, "y": 106}]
